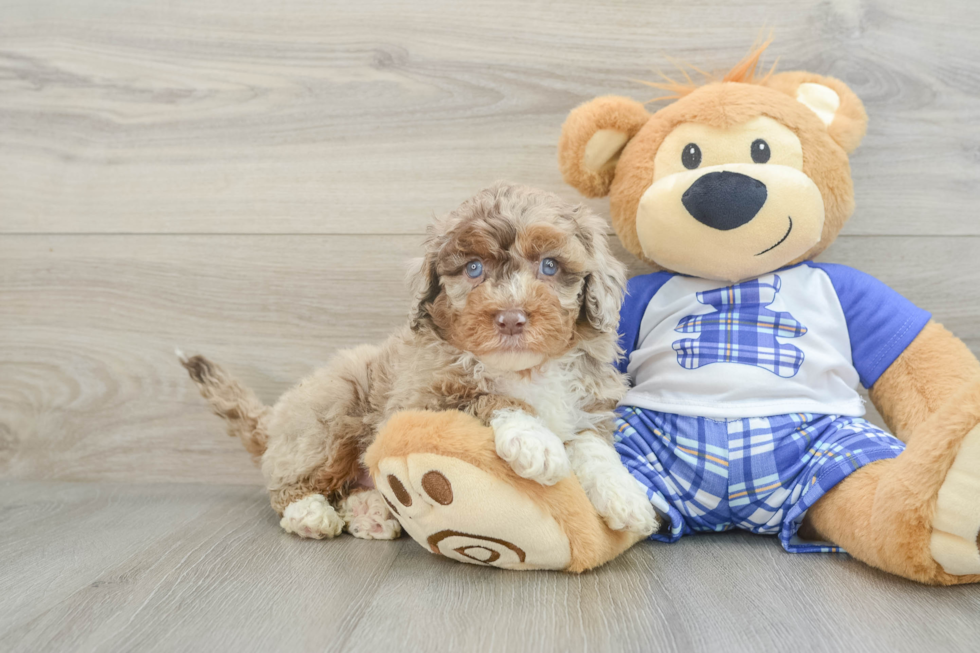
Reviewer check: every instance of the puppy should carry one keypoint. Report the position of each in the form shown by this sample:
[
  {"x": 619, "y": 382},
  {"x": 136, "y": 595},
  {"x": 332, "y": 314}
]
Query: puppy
[{"x": 514, "y": 321}]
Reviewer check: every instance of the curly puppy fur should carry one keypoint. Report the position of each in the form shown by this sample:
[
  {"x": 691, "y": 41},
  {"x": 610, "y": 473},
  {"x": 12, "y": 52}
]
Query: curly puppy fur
[{"x": 454, "y": 354}]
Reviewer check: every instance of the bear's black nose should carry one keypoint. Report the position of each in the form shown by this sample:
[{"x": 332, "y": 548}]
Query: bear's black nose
[{"x": 724, "y": 200}]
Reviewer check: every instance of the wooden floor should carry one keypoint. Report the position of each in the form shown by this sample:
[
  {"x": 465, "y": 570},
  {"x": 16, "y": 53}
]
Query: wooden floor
[
  {"x": 100, "y": 567},
  {"x": 248, "y": 179}
]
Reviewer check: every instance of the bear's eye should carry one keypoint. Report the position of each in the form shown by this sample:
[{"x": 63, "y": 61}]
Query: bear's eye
[
  {"x": 474, "y": 269},
  {"x": 691, "y": 156},
  {"x": 760, "y": 151}
]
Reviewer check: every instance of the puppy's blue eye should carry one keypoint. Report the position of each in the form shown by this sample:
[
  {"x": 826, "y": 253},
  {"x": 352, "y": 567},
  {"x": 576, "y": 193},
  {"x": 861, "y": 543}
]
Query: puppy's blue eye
[
  {"x": 549, "y": 267},
  {"x": 474, "y": 269}
]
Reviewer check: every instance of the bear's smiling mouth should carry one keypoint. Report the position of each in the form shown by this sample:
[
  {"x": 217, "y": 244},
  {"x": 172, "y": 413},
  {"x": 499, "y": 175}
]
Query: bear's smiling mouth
[{"x": 780, "y": 242}]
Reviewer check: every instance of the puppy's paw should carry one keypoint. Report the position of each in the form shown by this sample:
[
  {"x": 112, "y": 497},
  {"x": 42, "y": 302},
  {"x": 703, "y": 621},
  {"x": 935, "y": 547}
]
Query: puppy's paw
[
  {"x": 368, "y": 518},
  {"x": 625, "y": 507},
  {"x": 312, "y": 517},
  {"x": 533, "y": 451}
]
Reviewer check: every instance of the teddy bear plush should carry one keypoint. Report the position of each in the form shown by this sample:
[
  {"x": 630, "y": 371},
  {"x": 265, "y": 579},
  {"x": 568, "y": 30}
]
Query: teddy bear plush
[{"x": 744, "y": 357}]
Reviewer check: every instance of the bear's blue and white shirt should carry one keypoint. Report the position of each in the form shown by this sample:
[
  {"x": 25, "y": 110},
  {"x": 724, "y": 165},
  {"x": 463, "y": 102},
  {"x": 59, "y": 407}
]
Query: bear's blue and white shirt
[
  {"x": 744, "y": 407},
  {"x": 798, "y": 340}
]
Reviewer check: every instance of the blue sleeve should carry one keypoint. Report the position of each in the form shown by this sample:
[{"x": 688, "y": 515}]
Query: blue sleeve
[
  {"x": 880, "y": 323},
  {"x": 639, "y": 291}
]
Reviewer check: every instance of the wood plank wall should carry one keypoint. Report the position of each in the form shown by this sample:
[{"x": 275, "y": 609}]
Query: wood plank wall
[{"x": 249, "y": 179}]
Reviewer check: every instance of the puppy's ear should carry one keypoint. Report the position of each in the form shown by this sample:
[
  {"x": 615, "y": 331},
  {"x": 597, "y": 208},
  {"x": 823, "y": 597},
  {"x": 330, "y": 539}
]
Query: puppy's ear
[
  {"x": 836, "y": 105},
  {"x": 605, "y": 283},
  {"x": 592, "y": 139},
  {"x": 424, "y": 279}
]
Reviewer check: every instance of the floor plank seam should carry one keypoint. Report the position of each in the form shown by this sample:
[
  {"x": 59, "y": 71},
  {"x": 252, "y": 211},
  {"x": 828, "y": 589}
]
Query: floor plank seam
[{"x": 370, "y": 601}]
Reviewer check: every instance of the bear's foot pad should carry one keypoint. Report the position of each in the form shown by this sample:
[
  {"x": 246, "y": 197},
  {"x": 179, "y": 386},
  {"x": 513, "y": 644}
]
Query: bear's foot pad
[
  {"x": 955, "y": 541},
  {"x": 457, "y": 510}
]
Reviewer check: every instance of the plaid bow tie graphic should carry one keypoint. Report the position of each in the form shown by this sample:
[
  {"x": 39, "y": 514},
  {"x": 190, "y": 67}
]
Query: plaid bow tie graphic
[{"x": 741, "y": 330}]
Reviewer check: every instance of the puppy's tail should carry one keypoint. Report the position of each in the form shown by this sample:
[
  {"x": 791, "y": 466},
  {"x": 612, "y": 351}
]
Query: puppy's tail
[{"x": 245, "y": 414}]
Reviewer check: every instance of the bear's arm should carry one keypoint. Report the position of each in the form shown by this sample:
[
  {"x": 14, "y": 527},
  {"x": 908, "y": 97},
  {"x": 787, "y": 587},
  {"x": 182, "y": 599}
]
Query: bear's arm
[
  {"x": 934, "y": 370},
  {"x": 911, "y": 365}
]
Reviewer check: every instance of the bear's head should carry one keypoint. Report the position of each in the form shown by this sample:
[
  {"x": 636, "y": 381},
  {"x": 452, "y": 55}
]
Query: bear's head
[{"x": 734, "y": 179}]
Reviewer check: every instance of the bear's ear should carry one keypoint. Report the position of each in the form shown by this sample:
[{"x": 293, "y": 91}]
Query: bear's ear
[
  {"x": 592, "y": 139},
  {"x": 831, "y": 100}
]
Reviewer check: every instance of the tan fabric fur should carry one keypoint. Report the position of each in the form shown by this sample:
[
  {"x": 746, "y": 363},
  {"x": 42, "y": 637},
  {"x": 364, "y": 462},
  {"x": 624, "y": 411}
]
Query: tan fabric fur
[{"x": 925, "y": 379}]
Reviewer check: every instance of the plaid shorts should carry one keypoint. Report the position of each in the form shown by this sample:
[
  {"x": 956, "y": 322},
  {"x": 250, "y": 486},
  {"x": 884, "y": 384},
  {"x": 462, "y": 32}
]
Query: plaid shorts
[{"x": 760, "y": 474}]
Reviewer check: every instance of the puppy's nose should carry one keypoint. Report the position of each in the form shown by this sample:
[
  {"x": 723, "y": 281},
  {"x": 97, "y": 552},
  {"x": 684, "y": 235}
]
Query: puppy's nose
[
  {"x": 511, "y": 322},
  {"x": 724, "y": 200}
]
